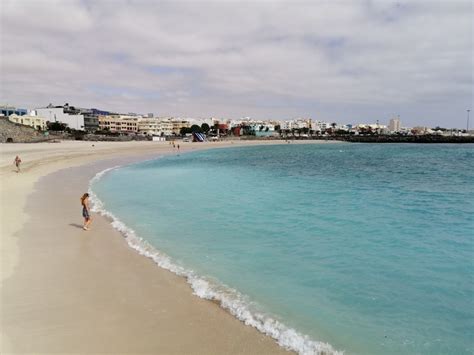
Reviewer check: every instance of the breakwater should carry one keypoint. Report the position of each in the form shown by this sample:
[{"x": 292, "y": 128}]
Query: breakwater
[{"x": 405, "y": 139}]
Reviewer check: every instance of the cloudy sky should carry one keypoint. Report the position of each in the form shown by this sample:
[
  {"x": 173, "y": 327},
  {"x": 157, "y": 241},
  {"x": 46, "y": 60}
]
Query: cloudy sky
[{"x": 345, "y": 61}]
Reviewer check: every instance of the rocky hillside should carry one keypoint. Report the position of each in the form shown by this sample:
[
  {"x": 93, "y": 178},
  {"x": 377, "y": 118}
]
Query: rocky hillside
[{"x": 16, "y": 133}]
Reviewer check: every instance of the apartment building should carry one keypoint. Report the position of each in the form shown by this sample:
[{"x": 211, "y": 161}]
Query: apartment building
[
  {"x": 149, "y": 126},
  {"x": 320, "y": 126},
  {"x": 177, "y": 124},
  {"x": 119, "y": 123},
  {"x": 166, "y": 126},
  {"x": 91, "y": 119},
  {"x": 162, "y": 126},
  {"x": 36, "y": 122},
  {"x": 394, "y": 125}
]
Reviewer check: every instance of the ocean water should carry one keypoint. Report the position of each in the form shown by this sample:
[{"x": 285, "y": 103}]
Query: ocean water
[{"x": 361, "y": 248}]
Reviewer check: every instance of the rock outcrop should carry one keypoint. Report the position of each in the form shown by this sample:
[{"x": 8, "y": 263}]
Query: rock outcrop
[{"x": 16, "y": 133}]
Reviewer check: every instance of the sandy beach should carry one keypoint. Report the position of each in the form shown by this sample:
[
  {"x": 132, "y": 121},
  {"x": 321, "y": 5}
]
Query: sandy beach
[{"x": 64, "y": 290}]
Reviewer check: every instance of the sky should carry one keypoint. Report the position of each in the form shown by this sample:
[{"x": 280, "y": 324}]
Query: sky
[{"x": 338, "y": 61}]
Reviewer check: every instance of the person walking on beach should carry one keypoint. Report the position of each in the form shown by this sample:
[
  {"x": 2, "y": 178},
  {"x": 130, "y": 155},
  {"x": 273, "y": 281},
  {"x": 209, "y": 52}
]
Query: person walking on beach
[
  {"x": 86, "y": 211},
  {"x": 17, "y": 163}
]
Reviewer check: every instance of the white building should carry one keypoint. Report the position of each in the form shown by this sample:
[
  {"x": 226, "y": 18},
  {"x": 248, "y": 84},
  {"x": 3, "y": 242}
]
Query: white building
[
  {"x": 150, "y": 126},
  {"x": 372, "y": 127},
  {"x": 36, "y": 122},
  {"x": 166, "y": 127},
  {"x": 162, "y": 126},
  {"x": 301, "y": 123},
  {"x": 55, "y": 114},
  {"x": 394, "y": 125},
  {"x": 320, "y": 126},
  {"x": 200, "y": 121}
]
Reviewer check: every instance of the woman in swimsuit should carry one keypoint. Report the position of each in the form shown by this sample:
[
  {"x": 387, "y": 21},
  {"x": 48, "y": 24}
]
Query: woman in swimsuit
[
  {"x": 17, "y": 163},
  {"x": 86, "y": 211}
]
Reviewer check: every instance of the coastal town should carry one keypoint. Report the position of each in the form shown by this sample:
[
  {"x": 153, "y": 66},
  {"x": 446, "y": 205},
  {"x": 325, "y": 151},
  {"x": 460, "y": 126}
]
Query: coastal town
[
  {"x": 95, "y": 124},
  {"x": 269, "y": 177}
]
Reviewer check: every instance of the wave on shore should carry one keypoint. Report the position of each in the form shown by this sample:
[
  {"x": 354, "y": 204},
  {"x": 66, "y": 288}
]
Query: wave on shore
[{"x": 230, "y": 299}]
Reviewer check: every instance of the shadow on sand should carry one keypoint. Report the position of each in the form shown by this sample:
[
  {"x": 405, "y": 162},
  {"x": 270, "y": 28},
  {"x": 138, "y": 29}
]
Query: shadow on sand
[{"x": 76, "y": 225}]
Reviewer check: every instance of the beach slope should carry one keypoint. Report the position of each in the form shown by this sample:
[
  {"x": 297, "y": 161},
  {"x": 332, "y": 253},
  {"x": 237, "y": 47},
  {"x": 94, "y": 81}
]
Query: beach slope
[{"x": 66, "y": 290}]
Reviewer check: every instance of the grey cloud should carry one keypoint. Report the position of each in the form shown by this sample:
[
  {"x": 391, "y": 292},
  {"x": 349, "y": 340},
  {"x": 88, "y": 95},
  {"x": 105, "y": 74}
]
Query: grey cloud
[{"x": 243, "y": 58}]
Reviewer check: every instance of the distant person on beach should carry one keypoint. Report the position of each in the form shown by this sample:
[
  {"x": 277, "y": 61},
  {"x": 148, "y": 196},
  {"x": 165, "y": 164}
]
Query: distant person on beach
[
  {"x": 86, "y": 211},
  {"x": 17, "y": 163}
]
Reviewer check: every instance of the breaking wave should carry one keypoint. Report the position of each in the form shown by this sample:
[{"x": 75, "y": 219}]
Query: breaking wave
[{"x": 230, "y": 299}]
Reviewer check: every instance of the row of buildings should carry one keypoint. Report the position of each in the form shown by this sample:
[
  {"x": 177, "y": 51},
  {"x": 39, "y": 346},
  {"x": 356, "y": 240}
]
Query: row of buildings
[
  {"x": 72, "y": 117},
  {"x": 94, "y": 120}
]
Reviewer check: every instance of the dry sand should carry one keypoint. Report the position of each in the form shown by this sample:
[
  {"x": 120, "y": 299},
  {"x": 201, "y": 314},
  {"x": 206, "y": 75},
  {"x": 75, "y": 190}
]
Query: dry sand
[{"x": 64, "y": 290}]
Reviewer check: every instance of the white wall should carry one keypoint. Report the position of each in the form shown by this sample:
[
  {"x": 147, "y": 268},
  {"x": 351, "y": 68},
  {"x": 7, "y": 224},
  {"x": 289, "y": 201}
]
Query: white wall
[{"x": 58, "y": 115}]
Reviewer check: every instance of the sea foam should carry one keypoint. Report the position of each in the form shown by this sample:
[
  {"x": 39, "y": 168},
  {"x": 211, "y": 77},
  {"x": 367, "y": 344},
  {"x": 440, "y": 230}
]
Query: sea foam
[{"x": 230, "y": 299}]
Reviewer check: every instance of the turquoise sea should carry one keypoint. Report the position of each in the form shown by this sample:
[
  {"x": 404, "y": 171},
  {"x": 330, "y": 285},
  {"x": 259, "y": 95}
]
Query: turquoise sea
[{"x": 366, "y": 247}]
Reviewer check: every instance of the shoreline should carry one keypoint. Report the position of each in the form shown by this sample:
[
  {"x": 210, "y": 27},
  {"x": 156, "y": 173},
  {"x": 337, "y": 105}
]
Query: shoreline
[
  {"x": 229, "y": 299},
  {"x": 25, "y": 220}
]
